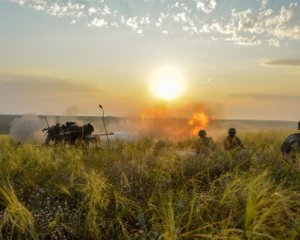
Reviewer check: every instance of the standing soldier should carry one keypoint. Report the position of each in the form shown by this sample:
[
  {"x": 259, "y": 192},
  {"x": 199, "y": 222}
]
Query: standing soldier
[
  {"x": 232, "y": 141},
  {"x": 205, "y": 144}
]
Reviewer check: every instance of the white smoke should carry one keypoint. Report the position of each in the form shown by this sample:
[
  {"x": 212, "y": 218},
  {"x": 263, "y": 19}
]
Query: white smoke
[
  {"x": 120, "y": 136},
  {"x": 28, "y": 128},
  {"x": 124, "y": 130}
]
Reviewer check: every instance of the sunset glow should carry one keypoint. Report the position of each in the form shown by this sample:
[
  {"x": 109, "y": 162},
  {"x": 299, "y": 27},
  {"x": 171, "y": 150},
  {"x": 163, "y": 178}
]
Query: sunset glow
[
  {"x": 167, "y": 83},
  {"x": 72, "y": 54}
]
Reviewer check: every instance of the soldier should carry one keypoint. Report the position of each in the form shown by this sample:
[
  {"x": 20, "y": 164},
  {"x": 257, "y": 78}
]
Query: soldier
[
  {"x": 205, "y": 144},
  {"x": 52, "y": 133},
  {"x": 291, "y": 146},
  {"x": 232, "y": 141},
  {"x": 159, "y": 147}
]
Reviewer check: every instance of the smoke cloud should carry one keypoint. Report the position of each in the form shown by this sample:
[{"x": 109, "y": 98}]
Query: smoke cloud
[
  {"x": 174, "y": 123},
  {"x": 28, "y": 128},
  {"x": 167, "y": 121}
]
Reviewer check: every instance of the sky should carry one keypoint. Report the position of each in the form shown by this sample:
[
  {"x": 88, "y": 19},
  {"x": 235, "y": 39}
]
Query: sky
[{"x": 241, "y": 58}]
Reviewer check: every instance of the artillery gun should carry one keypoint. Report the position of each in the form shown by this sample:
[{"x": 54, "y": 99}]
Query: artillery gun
[{"x": 70, "y": 133}]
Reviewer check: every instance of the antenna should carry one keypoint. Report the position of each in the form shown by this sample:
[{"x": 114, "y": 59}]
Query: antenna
[{"x": 100, "y": 106}]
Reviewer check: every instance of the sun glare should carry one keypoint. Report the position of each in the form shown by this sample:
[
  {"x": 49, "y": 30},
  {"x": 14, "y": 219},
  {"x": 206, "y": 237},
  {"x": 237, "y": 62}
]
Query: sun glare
[{"x": 167, "y": 83}]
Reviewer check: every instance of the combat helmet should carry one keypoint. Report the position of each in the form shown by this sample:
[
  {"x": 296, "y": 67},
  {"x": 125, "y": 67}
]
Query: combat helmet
[
  {"x": 231, "y": 131},
  {"x": 202, "y": 133}
]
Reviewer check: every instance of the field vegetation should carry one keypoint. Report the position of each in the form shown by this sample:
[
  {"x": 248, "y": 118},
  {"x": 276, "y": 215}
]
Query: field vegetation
[{"x": 148, "y": 190}]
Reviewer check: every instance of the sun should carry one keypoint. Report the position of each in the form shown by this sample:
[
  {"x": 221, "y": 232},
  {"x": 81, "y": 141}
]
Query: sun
[{"x": 167, "y": 83}]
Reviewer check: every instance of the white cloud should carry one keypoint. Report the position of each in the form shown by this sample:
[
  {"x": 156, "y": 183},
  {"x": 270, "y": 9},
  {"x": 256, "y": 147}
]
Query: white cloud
[
  {"x": 145, "y": 20},
  {"x": 244, "y": 21},
  {"x": 249, "y": 25},
  {"x": 132, "y": 22},
  {"x": 206, "y": 6},
  {"x": 285, "y": 16},
  {"x": 106, "y": 10},
  {"x": 39, "y": 7},
  {"x": 140, "y": 31},
  {"x": 274, "y": 42},
  {"x": 180, "y": 17},
  {"x": 96, "y": 22},
  {"x": 245, "y": 41},
  {"x": 91, "y": 11},
  {"x": 226, "y": 28},
  {"x": 280, "y": 62}
]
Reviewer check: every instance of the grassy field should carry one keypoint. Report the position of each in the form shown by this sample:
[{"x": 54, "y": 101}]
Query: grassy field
[{"x": 142, "y": 190}]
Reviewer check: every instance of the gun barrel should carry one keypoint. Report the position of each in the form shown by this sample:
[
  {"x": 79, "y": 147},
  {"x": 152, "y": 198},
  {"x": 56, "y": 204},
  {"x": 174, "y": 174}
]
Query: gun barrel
[{"x": 105, "y": 134}]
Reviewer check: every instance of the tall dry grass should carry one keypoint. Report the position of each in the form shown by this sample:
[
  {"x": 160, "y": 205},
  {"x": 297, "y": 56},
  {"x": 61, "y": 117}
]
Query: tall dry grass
[{"x": 138, "y": 191}]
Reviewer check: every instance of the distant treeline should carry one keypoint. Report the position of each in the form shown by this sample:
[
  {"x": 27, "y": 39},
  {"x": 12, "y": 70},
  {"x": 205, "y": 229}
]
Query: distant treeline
[
  {"x": 7, "y": 120},
  {"x": 221, "y": 124}
]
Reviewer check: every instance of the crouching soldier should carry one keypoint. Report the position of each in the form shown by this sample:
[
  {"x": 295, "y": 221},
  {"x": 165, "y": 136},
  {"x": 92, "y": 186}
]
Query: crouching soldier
[
  {"x": 232, "y": 141},
  {"x": 205, "y": 145},
  {"x": 291, "y": 146},
  {"x": 52, "y": 133}
]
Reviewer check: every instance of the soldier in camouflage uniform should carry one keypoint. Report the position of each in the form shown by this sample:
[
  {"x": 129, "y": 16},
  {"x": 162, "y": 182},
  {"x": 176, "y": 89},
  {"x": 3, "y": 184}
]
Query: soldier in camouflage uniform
[
  {"x": 205, "y": 144},
  {"x": 291, "y": 146},
  {"x": 232, "y": 141},
  {"x": 52, "y": 133}
]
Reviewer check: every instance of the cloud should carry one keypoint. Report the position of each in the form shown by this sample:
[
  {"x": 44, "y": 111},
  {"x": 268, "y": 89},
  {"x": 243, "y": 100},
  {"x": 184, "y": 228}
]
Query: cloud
[
  {"x": 39, "y": 7},
  {"x": 45, "y": 87},
  {"x": 206, "y": 6},
  {"x": 274, "y": 42},
  {"x": 282, "y": 62},
  {"x": 245, "y": 41},
  {"x": 96, "y": 22},
  {"x": 269, "y": 97},
  {"x": 92, "y": 10},
  {"x": 246, "y": 26},
  {"x": 258, "y": 23}
]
